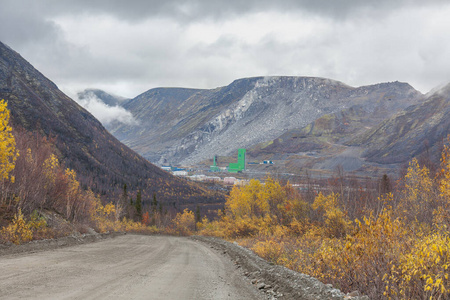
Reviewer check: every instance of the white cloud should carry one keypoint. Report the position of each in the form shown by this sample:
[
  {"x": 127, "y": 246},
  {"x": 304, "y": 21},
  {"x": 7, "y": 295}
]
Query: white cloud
[{"x": 104, "y": 113}]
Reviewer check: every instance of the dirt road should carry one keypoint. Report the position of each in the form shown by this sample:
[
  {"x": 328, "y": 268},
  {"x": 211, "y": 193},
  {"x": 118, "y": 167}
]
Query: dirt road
[{"x": 126, "y": 267}]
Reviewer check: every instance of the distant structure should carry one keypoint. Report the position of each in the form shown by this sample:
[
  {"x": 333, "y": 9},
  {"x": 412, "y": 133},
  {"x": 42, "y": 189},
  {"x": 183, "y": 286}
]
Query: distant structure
[
  {"x": 180, "y": 173},
  {"x": 240, "y": 165},
  {"x": 229, "y": 180},
  {"x": 214, "y": 167}
]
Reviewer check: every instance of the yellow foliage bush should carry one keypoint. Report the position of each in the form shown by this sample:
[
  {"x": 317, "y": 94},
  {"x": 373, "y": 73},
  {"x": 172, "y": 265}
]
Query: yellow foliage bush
[
  {"x": 336, "y": 221},
  {"x": 297, "y": 228},
  {"x": 423, "y": 272},
  {"x": 270, "y": 250},
  {"x": 38, "y": 226},
  {"x": 242, "y": 227},
  {"x": 249, "y": 200},
  {"x": 184, "y": 223},
  {"x": 133, "y": 226},
  {"x": 399, "y": 252},
  {"x": 210, "y": 228},
  {"x": 363, "y": 258},
  {"x": 18, "y": 231},
  {"x": 103, "y": 216}
]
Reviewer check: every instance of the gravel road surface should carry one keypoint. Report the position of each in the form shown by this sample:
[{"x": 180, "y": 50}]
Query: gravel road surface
[{"x": 125, "y": 267}]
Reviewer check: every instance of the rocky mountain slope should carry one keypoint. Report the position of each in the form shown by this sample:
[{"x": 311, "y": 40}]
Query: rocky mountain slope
[
  {"x": 174, "y": 121},
  {"x": 410, "y": 133},
  {"x": 323, "y": 143},
  {"x": 188, "y": 126},
  {"x": 101, "y": 161}
]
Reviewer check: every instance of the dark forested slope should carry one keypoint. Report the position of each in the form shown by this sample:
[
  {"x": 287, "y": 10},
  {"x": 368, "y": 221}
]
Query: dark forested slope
[{"x": 101, "y": 161}]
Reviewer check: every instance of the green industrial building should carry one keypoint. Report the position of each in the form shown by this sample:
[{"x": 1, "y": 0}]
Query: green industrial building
[
  {"x": 240, "y": 165},
  {"x": 214, "y": 167}
]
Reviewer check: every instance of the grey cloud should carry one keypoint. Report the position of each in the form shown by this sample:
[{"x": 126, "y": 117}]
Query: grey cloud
[
  {"x": 23, "y": 25},
  {"x": 148, "y": 42},
  {"x": 185, "y": 11},
  {"x": 191, "y": 10}
]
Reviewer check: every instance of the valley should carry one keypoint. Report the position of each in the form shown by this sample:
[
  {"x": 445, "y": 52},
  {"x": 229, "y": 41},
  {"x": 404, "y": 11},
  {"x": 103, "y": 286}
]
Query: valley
[
  {"x": 349, "y": 185},
  {"x": 302, "y": 124}
]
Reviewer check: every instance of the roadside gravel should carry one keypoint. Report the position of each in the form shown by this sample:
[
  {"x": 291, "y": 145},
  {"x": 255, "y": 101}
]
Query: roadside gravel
[{"x": 276, "y": 282}]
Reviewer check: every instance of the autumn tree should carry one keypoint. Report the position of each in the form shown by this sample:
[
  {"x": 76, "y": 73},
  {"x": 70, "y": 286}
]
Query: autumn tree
[
  {"x": 336, "y": 221},
  {"x": 52, "y": 173},
  {"x": 8, "y": 153},
  {"x": 121, "y": 202},
  {"x": 442, "y": 214},
  {"x": 419, "y": 197},
  {"x": 18, "y": 231},
  {"x": 146, "y": 219},
  {"x": 247, "y": 201},
  {"x": 35, "y": 173},
  {"x": 72, "y": 194}
]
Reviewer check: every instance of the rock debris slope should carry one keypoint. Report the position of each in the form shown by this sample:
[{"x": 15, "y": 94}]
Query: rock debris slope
[{"x": 188, "y": 126}]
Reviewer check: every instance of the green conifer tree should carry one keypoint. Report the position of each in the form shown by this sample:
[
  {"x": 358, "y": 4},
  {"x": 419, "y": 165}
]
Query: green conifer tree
[{"x": 154, "y": 203}]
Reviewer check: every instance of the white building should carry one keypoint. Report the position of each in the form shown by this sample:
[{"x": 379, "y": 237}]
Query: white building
[
  {"x": 229, "y": 180},
  {"x": 180, "y": 173}
]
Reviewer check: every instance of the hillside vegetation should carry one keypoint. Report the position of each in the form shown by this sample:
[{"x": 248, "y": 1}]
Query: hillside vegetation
[
  {"x": 36, "y": 188},
  {"x": 41, "y": 198},
  {"x": 102, "y": 163},
  {"x": 391, "y": 242}
]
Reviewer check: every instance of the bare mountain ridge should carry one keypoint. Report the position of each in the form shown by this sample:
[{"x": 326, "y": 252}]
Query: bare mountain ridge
[
  {"x": 101, "y": 161},
  {"x": 166, "y": 116},
  {"x": 372, "y": 105},
  {"x": 418, "y": 129},
  {"x": 324, "y": 143},
  {"x": 248, "y": 112}
]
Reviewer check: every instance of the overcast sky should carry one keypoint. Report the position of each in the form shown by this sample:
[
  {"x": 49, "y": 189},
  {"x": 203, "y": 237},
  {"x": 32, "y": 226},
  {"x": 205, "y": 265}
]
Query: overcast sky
[{"x": 128, "y": 47}]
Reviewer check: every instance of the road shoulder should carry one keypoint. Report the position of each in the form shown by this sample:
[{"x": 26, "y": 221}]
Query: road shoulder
[{"x": 276, "y": 282}]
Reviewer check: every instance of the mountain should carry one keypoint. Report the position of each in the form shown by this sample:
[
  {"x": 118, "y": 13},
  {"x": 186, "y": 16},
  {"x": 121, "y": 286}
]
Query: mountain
[
  {"x": 170, "y": 117},
  {"x": 106, "y": 98},
  {"x": 100, "y": 160},
  {"x": 327, "y": 137},
  {"x": 264, "y": 114},
  {"x": 416, "y": 130}
]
